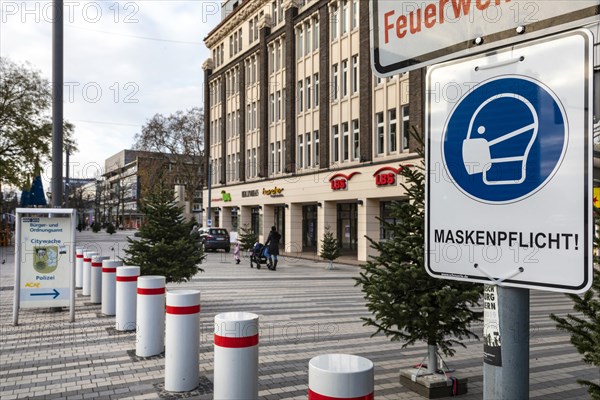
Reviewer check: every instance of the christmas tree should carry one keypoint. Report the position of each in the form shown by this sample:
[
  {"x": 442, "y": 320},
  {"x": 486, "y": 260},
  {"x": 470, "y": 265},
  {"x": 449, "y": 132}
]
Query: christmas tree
[
  {"x": 407, "y": 304},
  {"x": 165, "y": 246},
  {"x": 247, "y": 238},
  {"x": 330, "y": 249},
  {"x": 585, "y": 327},
  {"x": 110, "y": 228}
]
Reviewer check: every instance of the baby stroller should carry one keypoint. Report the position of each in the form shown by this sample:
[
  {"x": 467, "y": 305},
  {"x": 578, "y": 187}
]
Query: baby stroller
[{"x": 259, "y": 255}]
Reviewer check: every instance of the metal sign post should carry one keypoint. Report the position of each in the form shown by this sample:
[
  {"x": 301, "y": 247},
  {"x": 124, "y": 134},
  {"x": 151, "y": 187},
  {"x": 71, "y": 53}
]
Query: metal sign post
[{"x": 44, "y": 259}]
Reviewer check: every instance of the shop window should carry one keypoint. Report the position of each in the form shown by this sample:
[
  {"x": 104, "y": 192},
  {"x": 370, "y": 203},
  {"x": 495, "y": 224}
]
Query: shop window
[{"x": 387, "y": 215}]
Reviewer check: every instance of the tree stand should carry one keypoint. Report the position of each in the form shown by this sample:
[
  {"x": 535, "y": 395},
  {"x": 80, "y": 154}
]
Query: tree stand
[{"x": 433, "y": 383}]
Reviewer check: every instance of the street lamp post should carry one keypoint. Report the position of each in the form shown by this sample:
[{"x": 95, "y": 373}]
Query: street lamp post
[{"x": 208, "y": 216}]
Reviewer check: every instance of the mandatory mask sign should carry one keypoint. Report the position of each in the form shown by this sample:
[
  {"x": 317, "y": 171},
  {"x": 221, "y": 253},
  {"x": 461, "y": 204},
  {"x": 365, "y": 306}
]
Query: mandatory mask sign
[{"x": 509, "y": 166}]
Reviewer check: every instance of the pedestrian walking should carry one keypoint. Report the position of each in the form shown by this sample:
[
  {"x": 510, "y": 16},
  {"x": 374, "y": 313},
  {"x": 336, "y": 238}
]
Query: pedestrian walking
[
  {"x": 236, "y": 252},
  {"x": 272, "y": 244}
]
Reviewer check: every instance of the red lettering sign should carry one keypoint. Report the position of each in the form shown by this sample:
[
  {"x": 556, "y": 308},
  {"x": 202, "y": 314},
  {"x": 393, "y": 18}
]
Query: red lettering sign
[
  {"x": 387, "y": 179},
  {"x": 339, "y": 184}
]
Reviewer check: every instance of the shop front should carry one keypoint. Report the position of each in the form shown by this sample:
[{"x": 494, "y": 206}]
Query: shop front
[{"x": 348, "y": 203}]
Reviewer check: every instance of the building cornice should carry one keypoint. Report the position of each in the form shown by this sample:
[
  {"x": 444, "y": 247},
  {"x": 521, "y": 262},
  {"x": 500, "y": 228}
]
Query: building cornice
[
  {"x": 232, "y": 21},
  {"x": 208, "y": 64}
]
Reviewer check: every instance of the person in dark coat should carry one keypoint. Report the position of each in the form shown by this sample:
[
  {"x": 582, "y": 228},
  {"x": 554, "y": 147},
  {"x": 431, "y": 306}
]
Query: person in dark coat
[{"x": 272, "y": 244}]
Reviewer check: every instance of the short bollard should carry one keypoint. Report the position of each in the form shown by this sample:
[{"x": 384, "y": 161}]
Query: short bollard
[
  {"x": 340, "y": 376},
  {"x": 236, "y": 356},
  {"x": 86, "y": 283},
  {"x": 182, "y": 341},
  {"x": 96, "y": 279},
  {"x": 79, "y": 267},
  {"x": 109, "y": 285},
  {"x": 126, "y": 298},
  {"x": 150, "y": 316}
]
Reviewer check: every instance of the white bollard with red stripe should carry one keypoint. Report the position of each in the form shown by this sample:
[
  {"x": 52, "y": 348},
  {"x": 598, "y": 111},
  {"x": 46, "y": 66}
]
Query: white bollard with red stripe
[
  {"x": 109, "y": 285},
  {"x": 96, "y": 279},
  {"x": 126, "y": 298},
  {"x": 79, "y": 267},
  {"x": 182, "y": 340},
  {"x": 150, "y": 333},
  {"x": 340, "y": 376},
  {"x": 236, "y": 356},
  {"x": 86, "y": 282}
]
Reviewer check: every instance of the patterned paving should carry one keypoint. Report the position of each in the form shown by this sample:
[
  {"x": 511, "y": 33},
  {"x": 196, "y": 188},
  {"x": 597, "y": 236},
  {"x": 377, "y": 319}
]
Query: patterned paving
[{"x": 304, "y": 311}]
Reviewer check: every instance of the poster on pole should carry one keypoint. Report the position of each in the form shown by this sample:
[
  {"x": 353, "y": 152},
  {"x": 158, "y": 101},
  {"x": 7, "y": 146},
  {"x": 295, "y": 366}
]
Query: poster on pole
[
  {"x": 45, "y": 260},
  {"x": 492, "y": 343}
]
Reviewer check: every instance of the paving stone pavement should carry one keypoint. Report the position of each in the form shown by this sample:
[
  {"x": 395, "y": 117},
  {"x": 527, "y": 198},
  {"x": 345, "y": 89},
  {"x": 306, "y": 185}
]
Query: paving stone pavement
[{"x": 305, "y": 310}]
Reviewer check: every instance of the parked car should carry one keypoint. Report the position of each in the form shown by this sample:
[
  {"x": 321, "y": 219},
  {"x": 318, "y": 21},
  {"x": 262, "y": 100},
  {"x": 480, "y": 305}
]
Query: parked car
[{"x": 215, "y": 239}]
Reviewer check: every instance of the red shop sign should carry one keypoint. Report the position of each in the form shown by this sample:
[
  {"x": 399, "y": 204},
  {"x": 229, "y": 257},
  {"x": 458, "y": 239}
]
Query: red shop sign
[
  {"x": 386, "y": 176},
  {"x": 340, "y": 181}
]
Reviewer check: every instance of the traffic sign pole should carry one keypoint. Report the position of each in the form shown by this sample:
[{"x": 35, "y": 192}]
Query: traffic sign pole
[
  {"x": 510, "y": 380},
  {"x": 501, "y": 154}
]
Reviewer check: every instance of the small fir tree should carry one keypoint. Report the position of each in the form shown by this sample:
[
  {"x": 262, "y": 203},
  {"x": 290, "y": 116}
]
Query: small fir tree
[
  {"x": 330, "y": 249},
  {"x": 585, "y": 327},
  {"x": 110, "y": 228},
  {"x": 165, "y": 246},
  {"x": 407, "y": 304},
  {"x": 96, "y": 226},
  {"x": 247, "y": 238}
]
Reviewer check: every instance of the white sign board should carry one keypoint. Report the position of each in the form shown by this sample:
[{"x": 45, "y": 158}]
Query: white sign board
[
  {"x": 509, "y": 166},
  {"x": 46, "y": 261},
  {"x": 412, "y": 34}
]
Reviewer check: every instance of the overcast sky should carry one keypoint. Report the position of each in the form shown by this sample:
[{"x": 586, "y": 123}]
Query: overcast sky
[{"x": 124, "y": 61}]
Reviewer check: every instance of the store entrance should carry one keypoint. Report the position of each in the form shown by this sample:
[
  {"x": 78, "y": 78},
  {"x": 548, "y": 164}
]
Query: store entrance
[
  {"x": 347, "y": 232},
  {"x": 255, "y": 221},
  {"x": 309, "y": 228},
  {"x": 280, "y": 224}
]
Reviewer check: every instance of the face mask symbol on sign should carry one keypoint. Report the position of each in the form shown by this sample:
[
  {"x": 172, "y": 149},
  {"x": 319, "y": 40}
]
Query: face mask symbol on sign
[{"x": 477, "y": 151}]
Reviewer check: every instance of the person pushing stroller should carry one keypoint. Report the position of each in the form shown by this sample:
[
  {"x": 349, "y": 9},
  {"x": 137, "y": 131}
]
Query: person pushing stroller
[{"x": 272, "y": 245}]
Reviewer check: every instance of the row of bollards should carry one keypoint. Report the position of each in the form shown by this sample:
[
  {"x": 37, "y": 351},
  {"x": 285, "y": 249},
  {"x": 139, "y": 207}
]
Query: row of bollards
[{"x": 169, "y": 321}]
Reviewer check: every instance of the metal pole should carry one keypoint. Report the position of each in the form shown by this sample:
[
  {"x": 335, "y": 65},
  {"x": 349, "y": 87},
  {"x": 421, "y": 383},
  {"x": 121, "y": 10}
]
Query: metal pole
[
  {"x": 208, "y": 218},
  {"x": 66, "y": 202},
  {"x": 17, "y": 287},
  {"x": 57, "y": 105},
  {"x": 511, "y": 380},
  {"x": 73, "y": 216}
]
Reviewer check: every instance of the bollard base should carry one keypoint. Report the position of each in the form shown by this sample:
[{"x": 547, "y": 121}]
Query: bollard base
[
  {"x": 432, "y": 386},
  {"x": 205, "y": 386}
]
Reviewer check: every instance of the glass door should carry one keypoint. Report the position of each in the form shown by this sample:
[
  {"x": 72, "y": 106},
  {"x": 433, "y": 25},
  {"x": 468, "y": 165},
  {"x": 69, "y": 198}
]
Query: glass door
[
  {"x": 309, "y": 228},
  {"x": 280, "y": 224},
  {"x": 347, "y": 232}
]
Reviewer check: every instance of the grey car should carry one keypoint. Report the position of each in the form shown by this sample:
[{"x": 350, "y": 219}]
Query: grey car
[{"x": 215, "y": 239}]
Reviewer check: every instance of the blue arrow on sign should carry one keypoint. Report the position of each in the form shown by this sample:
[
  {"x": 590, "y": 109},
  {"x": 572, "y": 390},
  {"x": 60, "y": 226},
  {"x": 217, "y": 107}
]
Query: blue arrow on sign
[{"x": 55, "y": 294}]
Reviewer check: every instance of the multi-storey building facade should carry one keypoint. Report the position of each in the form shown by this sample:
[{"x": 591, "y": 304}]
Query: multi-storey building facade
[
  {"x": 130, "y": 174},
  {"x": 299, "y": 132}
]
